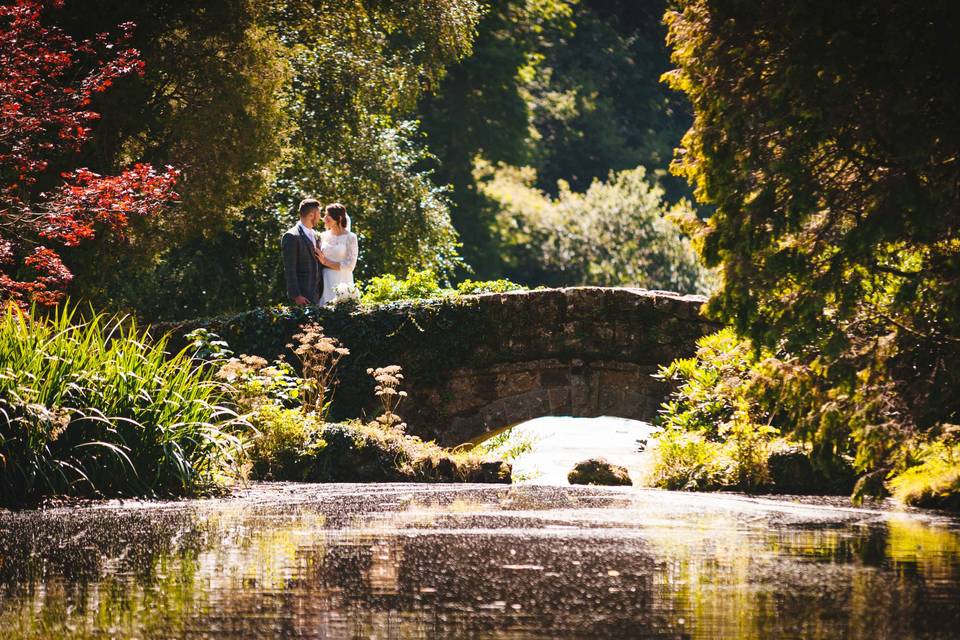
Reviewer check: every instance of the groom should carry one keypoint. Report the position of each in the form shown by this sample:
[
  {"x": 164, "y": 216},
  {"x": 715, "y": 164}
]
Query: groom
[{"x": 300, "y": 264}]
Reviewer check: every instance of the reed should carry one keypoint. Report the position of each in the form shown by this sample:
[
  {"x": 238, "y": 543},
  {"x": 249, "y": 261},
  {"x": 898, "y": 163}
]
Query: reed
[{"x": 92, "y": 407}]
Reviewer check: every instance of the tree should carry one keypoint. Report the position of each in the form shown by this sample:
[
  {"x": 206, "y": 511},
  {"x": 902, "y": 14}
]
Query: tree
[
  {"x": 360, "y": 68},
  {"x": 617, "y": 232},
  {"x": 480, "y": 109},
  {"x": 828, "y": 136},
  {"x": 212, "y": 101},
  {"x": 262, "y": 103},
  {"x": 47, "y": 81},
  {"x": 569, "y": 88}
]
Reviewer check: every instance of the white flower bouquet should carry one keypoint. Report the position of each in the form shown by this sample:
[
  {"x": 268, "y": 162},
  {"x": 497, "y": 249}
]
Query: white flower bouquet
[{"x": 344, "y": 292}]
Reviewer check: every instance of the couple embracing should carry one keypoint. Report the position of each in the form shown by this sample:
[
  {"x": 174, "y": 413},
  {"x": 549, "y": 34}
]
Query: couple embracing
[{"x": 316, "y": 264}]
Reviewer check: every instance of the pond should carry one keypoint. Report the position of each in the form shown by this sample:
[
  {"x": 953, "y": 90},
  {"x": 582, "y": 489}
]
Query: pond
[{"x": 445, "y": 561}]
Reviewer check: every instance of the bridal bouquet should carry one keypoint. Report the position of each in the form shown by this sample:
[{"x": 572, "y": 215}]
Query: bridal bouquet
[{"x": 346, "y": 293}]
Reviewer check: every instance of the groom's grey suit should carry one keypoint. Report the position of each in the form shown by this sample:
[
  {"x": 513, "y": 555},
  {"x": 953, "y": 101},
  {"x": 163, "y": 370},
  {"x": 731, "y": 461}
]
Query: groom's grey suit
[{"x": 300, "y": 266}]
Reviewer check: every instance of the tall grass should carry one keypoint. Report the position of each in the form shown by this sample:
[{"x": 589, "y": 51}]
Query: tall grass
[{"x": 91, "y": 407}]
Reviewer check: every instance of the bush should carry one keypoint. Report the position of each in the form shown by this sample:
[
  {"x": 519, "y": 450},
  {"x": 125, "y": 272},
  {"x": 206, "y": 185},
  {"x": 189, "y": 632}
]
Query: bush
[
  {"x": 728, "y": 425},
  {"x": 91, "y": 408},
  {"x": 715, "y": 434},
  {"x": 618, "y": 232},
  {"x": 293, "y": 446},
  {"x": 298, "y": 444},
  {"x": 691, "y": 462},
  {"x": 472, "y": 287},
  {"x": 423, "y": 285},
  {"x": 418, "y": 285},
  {"x": 285, "y": 441},
  {"x": 935, "y": 481}
]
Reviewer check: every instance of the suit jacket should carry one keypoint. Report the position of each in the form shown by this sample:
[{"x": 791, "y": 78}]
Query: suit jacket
[{"x": 300, "y": 266}]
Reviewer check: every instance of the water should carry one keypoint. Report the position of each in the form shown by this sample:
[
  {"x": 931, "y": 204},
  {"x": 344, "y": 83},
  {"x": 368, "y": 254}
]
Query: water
[
  {"x": 561, "y": 442},
  {"x": 451, "y": 561}
]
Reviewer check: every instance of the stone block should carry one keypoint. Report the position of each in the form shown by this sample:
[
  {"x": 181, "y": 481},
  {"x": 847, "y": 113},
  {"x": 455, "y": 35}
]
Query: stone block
[
  {"x": 555, "y": 377},
  {"x": 513, "y": 383},
  {"x": 559, "y": 401}
]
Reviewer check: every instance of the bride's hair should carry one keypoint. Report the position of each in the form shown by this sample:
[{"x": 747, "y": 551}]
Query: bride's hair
[{"x": 339, "y": 213}]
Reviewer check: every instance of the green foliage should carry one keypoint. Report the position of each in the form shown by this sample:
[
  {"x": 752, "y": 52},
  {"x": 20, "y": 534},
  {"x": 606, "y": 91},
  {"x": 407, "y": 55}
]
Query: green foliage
[
  {"x": 615, "y": 233},
  {"x": 715, "y": 432},
  {"x": 424, "y": 285},
  {"x": 691, "y": 462},
  {"x": 828, "y": 148},
  {"x": 296, "y": 443},
  {"x": 723, "y": 421},
  {"x": 285, "y": 443},
  {"x": 359, "y": 69},
  {"x": 252, "y": 382},
  {"x": 92, "y": 408},
  {"x": 935, "y": 481},
  {"x": 569, "y": 88},
  {"x": 473, "y": 287},
  {"x": 708, "y": 385},
  {"x": 291, "y": 445},
  {"x": 262, "y": 103},
  {"x": 206, "y": 346},
  {"x": 223, "y": 117},
  {"x": 418, "y": 285},
  {"x": 507, "y": 445}
]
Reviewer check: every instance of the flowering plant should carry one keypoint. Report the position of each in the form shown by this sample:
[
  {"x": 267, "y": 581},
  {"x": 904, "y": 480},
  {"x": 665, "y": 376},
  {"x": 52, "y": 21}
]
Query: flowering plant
[{"x": 345, "y": 292}]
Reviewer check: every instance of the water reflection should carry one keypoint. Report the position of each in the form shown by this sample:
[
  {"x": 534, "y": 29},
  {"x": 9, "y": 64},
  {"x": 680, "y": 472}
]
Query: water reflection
[{"x": 415, "y": 561}]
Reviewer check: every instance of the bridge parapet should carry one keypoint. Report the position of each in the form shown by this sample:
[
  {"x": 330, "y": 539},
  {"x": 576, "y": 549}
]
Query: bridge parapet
[{"x": 476, "y": 364}]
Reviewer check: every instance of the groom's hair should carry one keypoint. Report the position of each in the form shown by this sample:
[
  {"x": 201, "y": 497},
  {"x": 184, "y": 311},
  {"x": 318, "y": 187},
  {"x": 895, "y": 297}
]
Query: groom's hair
[{"x": 307, "y": 205}]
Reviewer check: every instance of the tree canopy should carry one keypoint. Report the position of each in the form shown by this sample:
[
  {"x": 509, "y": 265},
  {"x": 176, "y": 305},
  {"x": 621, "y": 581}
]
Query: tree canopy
[
  {"x": 48, "y": 80},
  {"x": 827, "y": 135},
  {"x": 570, "y": 89}
]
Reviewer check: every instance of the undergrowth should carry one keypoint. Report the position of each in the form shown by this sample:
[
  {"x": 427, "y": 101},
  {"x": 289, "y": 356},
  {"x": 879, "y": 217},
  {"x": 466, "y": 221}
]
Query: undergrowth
[{"x": 90, "y": 407}]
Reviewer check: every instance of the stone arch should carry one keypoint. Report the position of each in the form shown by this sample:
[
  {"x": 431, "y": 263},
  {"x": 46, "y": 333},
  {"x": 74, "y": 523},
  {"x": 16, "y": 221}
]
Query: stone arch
[{"x": 475, "y": 364}]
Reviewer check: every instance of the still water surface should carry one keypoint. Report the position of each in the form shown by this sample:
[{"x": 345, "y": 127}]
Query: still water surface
[{"x": 450, "y": 561}]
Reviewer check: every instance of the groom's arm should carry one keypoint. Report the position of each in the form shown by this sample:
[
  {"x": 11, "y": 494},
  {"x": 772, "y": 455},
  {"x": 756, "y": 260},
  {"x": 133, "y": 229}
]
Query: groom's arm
[{"x": 288, "y": 246}]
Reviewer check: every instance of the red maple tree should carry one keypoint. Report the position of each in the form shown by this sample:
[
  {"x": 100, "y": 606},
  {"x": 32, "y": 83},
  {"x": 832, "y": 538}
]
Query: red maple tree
[{"x": 47, "y": 80}]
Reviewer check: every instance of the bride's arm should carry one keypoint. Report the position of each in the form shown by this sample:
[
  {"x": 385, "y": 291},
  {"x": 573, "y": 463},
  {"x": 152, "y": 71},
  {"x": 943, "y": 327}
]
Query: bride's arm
[{"x": 353, "y": 250}]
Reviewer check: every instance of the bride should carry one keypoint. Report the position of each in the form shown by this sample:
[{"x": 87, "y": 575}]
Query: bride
[{"x": 338, "y": 251}]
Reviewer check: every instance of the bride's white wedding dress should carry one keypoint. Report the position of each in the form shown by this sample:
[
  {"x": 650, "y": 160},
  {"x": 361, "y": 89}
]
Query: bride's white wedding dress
[{"x": 342, "y": 249}]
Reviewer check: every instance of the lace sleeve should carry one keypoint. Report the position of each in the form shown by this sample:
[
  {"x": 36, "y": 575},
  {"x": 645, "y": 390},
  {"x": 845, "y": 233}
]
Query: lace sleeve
[{"x": 353, "y": 250}]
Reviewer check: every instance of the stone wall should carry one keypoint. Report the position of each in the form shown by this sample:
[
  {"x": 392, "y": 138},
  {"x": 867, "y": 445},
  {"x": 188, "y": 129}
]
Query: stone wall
[{"x": 480, "y": 363}]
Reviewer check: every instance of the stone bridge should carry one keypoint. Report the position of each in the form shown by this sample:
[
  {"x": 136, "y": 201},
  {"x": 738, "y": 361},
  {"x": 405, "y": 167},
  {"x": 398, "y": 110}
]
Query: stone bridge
[{"x": 476, "y": 364}]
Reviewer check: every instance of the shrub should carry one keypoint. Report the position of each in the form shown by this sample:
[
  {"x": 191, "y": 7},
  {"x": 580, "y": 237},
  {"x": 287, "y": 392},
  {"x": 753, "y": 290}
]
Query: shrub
[
  {"x": 711, "y": 414},
  {"x": 418, "y": 285},
  {"x": 254, "y": 383},
  {"x": 472, "y": 287},
  {"x": 935, "y": 481},
  {"x": 293, "y": 446},
  {"x": 92, "y": 408},
  {"x": 297, "y": 444},
  {"x": 691, "y": 462},
  {"x": 423, "y": 285},
  {"x": 284, "y": 444},
  {"x": 734, "y": 403},
  {"x": 618, "y": 232}
]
